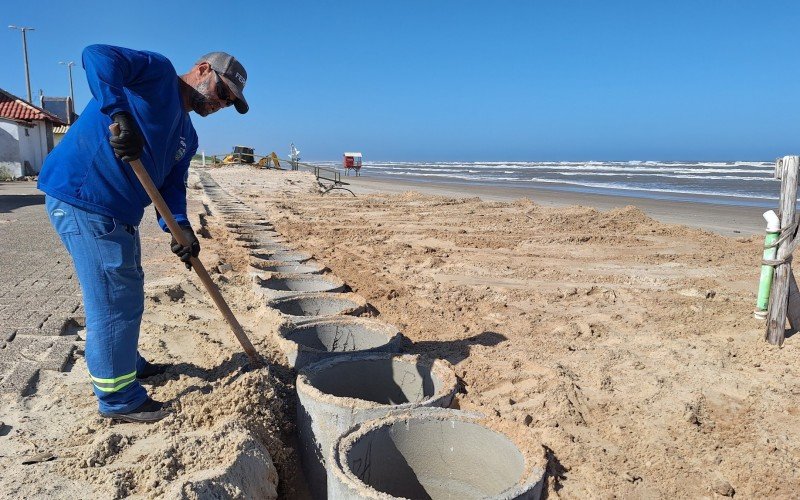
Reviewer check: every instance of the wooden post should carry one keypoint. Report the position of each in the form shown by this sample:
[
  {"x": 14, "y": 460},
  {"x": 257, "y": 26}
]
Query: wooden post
[
  {"x": 779, "y": 298},
  {"x": 793, "y": 309}
]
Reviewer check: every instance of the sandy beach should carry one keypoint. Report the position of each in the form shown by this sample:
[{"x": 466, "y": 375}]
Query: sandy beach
[
  {"x": 729, "y": 220},
  {"x": 622, "y": 340}
]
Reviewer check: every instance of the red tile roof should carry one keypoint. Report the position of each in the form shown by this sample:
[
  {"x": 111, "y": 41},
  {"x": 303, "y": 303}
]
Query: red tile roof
[{"x": 14, "y": 108}]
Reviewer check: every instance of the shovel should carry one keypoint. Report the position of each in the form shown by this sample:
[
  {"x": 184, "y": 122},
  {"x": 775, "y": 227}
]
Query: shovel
[{"x": 177, "y": 233}]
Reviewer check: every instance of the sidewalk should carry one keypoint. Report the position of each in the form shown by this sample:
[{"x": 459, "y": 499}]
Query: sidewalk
[{"x": 39, "y": 295}]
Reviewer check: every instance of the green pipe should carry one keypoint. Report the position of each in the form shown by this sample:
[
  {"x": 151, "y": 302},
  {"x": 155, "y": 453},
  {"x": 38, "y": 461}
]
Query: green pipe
[{"x": 767, "y": 272}]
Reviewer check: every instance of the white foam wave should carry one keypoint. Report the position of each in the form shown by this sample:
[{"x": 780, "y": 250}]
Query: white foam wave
[
  {"x": 477, "y": 168},
  {"x": 625, "y": 187},
  {"x": 668, "y": 176}
]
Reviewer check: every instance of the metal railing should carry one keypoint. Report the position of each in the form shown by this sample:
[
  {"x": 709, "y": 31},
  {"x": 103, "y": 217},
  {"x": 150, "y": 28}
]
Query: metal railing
[
  {"x": 321, "y": 173},
  {"x": 327, "y": 174}
]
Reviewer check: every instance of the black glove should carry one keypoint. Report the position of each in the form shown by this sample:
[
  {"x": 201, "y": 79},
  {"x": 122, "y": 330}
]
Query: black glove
[
  {"x": 186, "y": 252},
  {"x": 129, "y": 143}
]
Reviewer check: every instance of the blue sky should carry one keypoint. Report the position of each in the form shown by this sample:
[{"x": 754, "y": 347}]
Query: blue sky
[{"x": 460, "y": 80}]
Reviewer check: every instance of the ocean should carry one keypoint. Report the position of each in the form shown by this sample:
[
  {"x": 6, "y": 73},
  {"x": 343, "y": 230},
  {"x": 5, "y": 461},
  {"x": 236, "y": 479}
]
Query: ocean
[{"x": 743, "y": 183}]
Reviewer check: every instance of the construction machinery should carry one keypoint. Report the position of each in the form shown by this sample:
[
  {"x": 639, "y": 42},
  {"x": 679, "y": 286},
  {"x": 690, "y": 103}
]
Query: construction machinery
[
  {"x": 241, "y": 154},
  {"x": 265, "y": 161}
]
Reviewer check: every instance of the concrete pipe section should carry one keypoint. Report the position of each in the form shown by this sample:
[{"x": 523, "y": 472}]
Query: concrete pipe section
[
  {"x": 235, "y": 214},
  {"x": 277, "y": 285},
  {"x": 281, "y": 256},
  {"x": 251, "y": 219},
  {"x": 264, "y": 230},
  {"x": 250, "y": 236},
  {"x": 248, "y": 219},
  {"x": 266, "y": 249},
  {"x": 260, "y": 266},
  {"x": 338, "y": 393},
  {"x": 314, "y": 341},
  {"x": 249, "y": 226},
  {"x": 317, "y": 306},
  {"x": 264, "y": 236},
  {"x": 253, "y": 240},
  {"x": 255, "y": 225},
  {"x": 431, "y": 453},
  {"x": 232, "y": 210}
]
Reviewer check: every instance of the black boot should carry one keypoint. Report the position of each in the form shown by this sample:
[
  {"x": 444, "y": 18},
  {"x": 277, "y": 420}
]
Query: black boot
[
  {"x": 148, "y": 412},
  {"x": 151, "y": 370}
]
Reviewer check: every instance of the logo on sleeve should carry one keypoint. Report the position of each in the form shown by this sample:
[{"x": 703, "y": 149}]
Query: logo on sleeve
[{"x": 181, "y": 149}]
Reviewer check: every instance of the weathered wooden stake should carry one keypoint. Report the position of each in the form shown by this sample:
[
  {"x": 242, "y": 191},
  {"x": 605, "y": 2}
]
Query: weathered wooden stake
[
  {"x": 779, "y": 298},
  {"x": 793, "y": 308}
]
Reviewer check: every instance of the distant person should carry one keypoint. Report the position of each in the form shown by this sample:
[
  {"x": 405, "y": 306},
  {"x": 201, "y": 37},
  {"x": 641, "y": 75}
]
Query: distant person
[{"x": 95, "y": 202}]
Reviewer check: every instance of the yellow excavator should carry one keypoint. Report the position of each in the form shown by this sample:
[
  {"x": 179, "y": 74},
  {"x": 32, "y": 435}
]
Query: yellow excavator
[{"x": 265, "y": 161}]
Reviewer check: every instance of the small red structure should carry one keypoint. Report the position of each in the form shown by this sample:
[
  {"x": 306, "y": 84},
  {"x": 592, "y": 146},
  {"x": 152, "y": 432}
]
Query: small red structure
[{"x": 351, "y": 161}]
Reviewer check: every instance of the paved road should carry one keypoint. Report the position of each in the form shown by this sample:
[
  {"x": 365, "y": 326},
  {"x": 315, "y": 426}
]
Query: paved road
[{"x": 39, "y": 294}]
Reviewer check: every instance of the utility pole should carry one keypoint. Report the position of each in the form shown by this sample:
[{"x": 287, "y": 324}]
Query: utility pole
[
  {"x": 69, "y": 66},
  {"x": 24, "y": 30}
]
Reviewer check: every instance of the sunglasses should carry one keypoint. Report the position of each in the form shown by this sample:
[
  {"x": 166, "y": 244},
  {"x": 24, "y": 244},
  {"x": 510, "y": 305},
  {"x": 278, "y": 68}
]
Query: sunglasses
[{"x": 223, "y": 92}]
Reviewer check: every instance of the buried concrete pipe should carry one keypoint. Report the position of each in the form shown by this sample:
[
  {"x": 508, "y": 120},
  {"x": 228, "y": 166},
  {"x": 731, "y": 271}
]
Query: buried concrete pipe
[
  {"x": 244, "y": 239},
  {"x": 338, "y": 393},
  {"x": 277, "y": 285},
  {"x": 253, "y": 240},
  {"x": 432, "y": 453},
  {"x": 317, "y": 306},
  {"x": 267, "y": 234},
  {"x": 258, "y": 222},
  {"x": 314, "y": 341},
  {"x": 261, "y": 230},
  {"x": 261, "y": 266},
  {"x": 260, "y": 225},
  {"x": 232, "y": 211},
  {"x": 266, "y": 245},
  {"x": 245, "y": 227},
  {"x": 237, "y": 214},
  {"x": 281, "y": 256},
  {"x": 247, "y": 219}
]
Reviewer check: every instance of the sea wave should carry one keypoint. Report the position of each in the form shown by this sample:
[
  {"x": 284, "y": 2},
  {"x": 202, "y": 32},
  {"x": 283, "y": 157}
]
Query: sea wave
[
  {"x": 681, "y": 169},
  {"x": 730, "y": 179},
  {"x": 627, "y": 187}
]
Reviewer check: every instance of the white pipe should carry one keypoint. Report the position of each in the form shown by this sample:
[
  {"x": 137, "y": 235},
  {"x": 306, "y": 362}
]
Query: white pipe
[{"x": 773, "y": 222}]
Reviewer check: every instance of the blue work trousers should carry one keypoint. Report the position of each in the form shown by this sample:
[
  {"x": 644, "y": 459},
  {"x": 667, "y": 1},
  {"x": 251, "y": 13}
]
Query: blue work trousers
[{"x": 107, "y": 255}]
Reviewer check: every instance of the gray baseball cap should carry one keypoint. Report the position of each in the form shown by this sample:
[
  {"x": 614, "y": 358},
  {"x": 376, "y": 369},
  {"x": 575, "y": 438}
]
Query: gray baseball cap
[{"x": 232, "y": 72}]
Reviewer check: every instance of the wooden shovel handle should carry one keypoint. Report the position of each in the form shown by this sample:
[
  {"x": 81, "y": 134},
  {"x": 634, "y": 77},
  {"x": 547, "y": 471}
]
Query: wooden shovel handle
[{"x": 177, "y": 233}]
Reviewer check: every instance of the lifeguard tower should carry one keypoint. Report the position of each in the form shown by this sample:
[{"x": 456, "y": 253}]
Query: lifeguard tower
[
  {"x": 294, "y": 156},
  {"x": 351, "y": 161}
]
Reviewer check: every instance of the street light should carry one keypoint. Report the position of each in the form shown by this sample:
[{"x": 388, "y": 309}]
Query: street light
[
  {"x": 69, "y": 66},
  {"x": 24, "y": 30}
]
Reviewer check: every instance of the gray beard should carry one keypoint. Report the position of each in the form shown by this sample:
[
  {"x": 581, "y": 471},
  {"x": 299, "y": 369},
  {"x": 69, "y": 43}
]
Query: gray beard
[{"x": 200, "y": 99}]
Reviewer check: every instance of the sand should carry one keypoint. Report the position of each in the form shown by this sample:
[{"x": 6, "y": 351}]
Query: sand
[
  {"x": 624, "y": 345},
  {"x": 229, "y": 434},
  {"x": 729, "y": 220},
  {"x": 628, "y": 344}
]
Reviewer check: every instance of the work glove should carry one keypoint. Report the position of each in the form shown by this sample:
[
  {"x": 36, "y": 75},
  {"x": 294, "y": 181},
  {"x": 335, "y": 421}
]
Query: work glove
[
  {"x": 129, "y": 143},
  {"x": 186, "y": 252}
]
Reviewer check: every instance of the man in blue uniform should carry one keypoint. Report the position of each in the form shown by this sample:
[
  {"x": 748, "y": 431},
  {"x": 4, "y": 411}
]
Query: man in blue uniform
[{"x": 95, "y": 202}]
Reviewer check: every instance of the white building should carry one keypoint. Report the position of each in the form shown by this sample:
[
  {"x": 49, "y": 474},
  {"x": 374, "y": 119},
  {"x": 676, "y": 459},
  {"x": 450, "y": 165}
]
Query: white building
[{"x": 26, "y": 136}]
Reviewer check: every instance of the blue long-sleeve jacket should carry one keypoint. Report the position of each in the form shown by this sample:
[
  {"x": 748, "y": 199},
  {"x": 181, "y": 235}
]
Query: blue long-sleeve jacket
[{"x": 83, "y": 171}]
